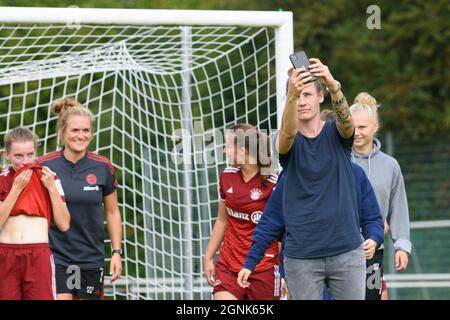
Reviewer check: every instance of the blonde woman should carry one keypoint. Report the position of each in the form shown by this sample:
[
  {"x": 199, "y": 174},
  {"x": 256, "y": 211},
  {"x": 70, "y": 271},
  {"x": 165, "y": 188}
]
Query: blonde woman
[
  {"x": 90, "y": 186},
  {"x": 386, "y": 178}
]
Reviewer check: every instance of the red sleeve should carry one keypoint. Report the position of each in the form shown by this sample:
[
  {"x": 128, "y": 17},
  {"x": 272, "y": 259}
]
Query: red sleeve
[
  {"x": 111, "y": 181},
  {"x": 222, "y": 194},
  {"x": 3, "y": 192}
]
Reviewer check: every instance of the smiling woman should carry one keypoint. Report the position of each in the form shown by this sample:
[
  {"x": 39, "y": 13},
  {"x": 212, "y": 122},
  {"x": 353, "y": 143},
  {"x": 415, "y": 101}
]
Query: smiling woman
[
  {"x": 74, "y": 127},
  {"x": 386, "y": 176},
  {"x": 90, "y": 184}
]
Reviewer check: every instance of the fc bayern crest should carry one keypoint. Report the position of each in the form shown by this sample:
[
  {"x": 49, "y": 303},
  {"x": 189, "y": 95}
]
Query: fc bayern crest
[
  {"x": 91, "y": 179},
  {"x": 255, "y": 194}
]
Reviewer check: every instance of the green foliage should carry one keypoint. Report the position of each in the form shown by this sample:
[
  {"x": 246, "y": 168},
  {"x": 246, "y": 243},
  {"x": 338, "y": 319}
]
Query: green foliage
[{"x": 404, "y": 64}]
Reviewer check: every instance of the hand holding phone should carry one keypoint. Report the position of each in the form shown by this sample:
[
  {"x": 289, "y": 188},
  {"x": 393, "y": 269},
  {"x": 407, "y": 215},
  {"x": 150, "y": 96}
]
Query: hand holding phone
[{"x": 299, "y": 60}]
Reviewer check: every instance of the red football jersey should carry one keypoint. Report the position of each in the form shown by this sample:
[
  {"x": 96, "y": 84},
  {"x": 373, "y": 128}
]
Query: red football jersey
[
  {"x": 245, "y": 202},
  {"x": 34, "y": 199}
]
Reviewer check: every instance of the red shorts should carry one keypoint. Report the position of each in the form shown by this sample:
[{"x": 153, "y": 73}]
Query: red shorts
[
  {"x": 27, "y": 272},
  {"x": 264, "y": 285}
]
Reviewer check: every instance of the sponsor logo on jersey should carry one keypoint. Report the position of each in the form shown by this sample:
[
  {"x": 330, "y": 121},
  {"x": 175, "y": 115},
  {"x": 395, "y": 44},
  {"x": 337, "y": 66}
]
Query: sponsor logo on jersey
[
  {"x": 256, "y": 216},
  {"x": 89, "y": 188},
  {"x": 239, "y": 215},
  {"x": 230, "y": 190},
  {"x": 255, "y": 194},
  {"x": 91, "y": 179}
]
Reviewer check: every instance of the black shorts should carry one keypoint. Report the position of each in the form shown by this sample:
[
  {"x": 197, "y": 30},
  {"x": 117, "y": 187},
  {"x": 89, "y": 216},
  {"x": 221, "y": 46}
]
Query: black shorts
[
  {"x": 82, "y": 283},
  {"x": 374, "y": 276}
]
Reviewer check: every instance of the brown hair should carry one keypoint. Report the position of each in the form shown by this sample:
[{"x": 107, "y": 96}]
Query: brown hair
[
  {"x": 65, "y": 108},
  {"x": 20, "y": 135},
  {"x": 257, "y": 145}
]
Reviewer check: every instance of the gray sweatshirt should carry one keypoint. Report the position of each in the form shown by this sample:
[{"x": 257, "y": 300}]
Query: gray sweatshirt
[{"x": 386, "y": 178}]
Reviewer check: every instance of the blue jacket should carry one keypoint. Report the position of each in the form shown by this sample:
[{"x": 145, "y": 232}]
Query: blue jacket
[{"x": 271, "y": 225}]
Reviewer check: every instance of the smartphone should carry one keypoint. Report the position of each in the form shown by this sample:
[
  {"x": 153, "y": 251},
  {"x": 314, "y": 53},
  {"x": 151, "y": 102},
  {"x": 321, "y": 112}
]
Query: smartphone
[{"x": 300, "y": 59}]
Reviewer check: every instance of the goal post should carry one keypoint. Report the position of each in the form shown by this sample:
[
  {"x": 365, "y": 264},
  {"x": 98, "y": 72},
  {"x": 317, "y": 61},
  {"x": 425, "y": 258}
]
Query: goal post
[{"x": 163, "y": 86}]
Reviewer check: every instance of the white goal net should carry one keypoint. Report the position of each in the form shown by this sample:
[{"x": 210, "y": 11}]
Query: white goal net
[{"x": 149, "y": 76}]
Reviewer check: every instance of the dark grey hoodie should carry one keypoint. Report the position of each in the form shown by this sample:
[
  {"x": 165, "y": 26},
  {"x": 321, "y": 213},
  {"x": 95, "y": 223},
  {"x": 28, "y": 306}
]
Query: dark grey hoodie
[{"x": 386, "y": 178}]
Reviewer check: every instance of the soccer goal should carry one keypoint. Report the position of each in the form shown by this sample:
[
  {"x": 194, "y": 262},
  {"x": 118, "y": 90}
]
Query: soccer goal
[{"x": 163, "y": 85}]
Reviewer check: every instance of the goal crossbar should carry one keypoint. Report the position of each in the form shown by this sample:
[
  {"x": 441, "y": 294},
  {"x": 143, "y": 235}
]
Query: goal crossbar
[{"x": 146, "y": 16}]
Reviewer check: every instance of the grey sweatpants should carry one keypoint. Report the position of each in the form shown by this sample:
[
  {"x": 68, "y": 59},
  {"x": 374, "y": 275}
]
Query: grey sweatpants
[{"x": 344, "y": 273}]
